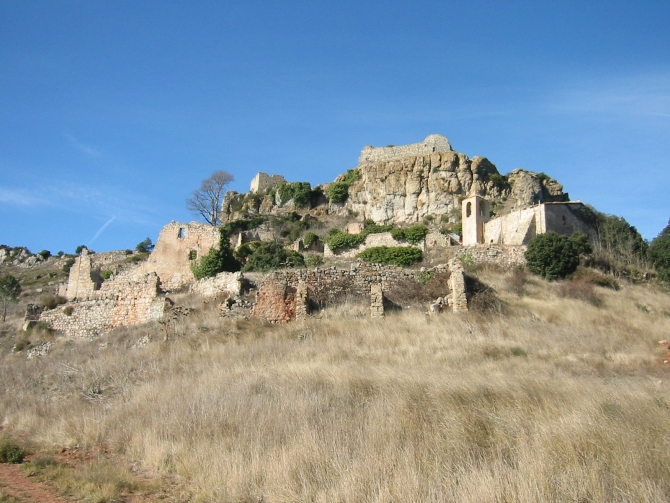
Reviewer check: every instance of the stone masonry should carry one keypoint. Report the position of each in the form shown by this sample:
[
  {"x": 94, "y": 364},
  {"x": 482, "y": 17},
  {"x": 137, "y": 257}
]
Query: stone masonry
[
  {"x": 432, "y": 144},
  {"x": 224, "y": 283},
  {"x": 459, "y": 301},
  {"x": 177, "y": 246},
  {"x": 79, "y": 283},
  {"x": 125, "y": 300},
  {"x": 277, "y": 294},
  {"x": 376, "y": 301},
  {"x": 263, "y": 181}
]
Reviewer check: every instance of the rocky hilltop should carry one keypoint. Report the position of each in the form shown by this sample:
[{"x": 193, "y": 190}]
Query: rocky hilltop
[{"x": 408, "y": 184}]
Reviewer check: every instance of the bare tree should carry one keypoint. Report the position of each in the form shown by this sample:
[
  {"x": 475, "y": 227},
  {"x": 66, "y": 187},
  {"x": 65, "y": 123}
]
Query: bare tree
[{"x": 206, "y": 201}]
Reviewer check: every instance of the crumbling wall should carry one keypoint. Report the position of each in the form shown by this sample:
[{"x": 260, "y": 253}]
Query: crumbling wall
[
  {"x": 177, "y": 246},
  {"x": 504, "y": 256},
  {"x": 275, "y": 302},
  {"x": 277, "y": 293},
  {"x": 459, "y": 301},
  {"x": 263, "y": 181},
  {"x": 125, "y": 300},
  {"x": 376, "y": 301},
  {"x": 432, "y": 144},
  {"x": 79, "y": 283},
  {"x": 226, "y": 283}
]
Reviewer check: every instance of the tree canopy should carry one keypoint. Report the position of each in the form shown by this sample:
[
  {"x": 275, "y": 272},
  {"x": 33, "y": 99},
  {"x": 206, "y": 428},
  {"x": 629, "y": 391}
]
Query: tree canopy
[
  {"x": 206, "y": 201},
  {"x": 10, "y": 289},
  {"x": 659, "y": 254},
  {"x": 554, "y": 256}
]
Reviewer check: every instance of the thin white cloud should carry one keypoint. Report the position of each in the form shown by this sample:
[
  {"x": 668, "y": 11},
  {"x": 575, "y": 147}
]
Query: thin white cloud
[
  {"x": 88, "y": 150},
  {"x": 18, "y": 197},
  {"x": 101, "y": 230},
  {"x": 125, "y": 205}
]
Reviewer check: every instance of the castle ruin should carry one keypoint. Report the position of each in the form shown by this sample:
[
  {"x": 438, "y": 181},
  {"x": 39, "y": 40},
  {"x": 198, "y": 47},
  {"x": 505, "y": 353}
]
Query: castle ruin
[
  {"x": 263, "y": 181},
  {"x": 432, "y": 144}
]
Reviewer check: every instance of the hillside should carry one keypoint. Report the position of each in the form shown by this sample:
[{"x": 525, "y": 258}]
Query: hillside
[{"x": 544, "y": 392}]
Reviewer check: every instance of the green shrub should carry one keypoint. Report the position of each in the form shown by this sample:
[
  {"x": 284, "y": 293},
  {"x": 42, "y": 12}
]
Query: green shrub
[
  {"x": 290, "y": 227},
  {"x": 68, "y": 265},
  {"x": 309, "y": 239},
  {"x": 552, "y": 256},
  {"x": 659, "y": 254},
  {"x": 136, "y": 257},
  {"x": 313, "y": 260},
  {"x": 416, "y": 234},
  {"x": 11, "y": 452},
  {"x": 272, "y": 255},
  {"x": 45, "y": 254},
  {"x": 245, "y": 250},
  {"x": 218, "y": 259},
  {"x": 106, "y": 274},
  {"x": 581, "y": 243},
  {"x": 300, "y": 192},
  {"x": 412, "y": 235},
  {"x": 337, "y": 192},
  {"x": 518, "y": 351},
  {"x": 344, "y": 240},
  {"x": 498, "y": 181},
  {"x": 351, "y": 176},
  {"x": 337, "y": 239},
  {"x": 396, "y": 255}
]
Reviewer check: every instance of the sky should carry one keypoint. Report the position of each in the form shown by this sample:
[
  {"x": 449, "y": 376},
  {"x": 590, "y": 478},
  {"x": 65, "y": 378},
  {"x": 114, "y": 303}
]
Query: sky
[{"x": 112, "y": 112}]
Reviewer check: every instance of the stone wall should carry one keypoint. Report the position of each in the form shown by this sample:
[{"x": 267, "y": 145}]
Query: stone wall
[
  {"x": 104, "y": 258},
  {"x": 263, "y": 181},
  {"x": 80, "y": 283},
  {"x": 176, "y": 246},
  {"x": 459, "y": 301},
  {"x": 520, "y": 226},
  {"x": 224, "y": 283},
  {"x": 433, "y": 143},
  {"x": 278, "y": 292},
  {"x": 125, "y": 300},
  {"x": 438, "y": 240},
  {"x": 504, "y": 256},
  {"x": 275, "y": 301}
]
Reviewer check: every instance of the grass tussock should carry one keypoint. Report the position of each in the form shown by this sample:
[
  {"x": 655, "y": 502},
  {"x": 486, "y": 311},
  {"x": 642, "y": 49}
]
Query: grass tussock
[
  {"x": 549, "y": 399},
  {"x": 7, "y": 498},
  {"x": 96, "y": 481}
]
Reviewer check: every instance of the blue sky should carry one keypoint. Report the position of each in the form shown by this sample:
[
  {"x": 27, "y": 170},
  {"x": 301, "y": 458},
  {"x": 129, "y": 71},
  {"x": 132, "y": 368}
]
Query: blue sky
[{"x": 112, "y": 112}]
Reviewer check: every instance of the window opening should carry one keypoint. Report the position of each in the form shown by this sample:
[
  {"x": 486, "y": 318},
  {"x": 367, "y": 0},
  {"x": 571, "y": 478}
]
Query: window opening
[
  {"x": 181, "y": 233},
  {"x": 468, "y": 209}
]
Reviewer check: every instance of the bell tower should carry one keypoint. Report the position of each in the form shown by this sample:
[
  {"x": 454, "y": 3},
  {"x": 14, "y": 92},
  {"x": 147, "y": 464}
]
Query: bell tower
[{"x": 476, "y": 212}]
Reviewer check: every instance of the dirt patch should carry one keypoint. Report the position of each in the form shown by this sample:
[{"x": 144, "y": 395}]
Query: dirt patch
[{"x": 26, "y": 490}]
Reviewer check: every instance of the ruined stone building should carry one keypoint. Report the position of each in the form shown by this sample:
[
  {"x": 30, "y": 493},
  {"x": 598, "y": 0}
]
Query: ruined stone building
[
  {"x": 263, "y": 181},
  {"x": 177, "y": 247},
  {"x": 520, "y": 226}
]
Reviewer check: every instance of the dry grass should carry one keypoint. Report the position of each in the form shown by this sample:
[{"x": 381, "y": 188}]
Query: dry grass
[{"x": 556, "y": 400}]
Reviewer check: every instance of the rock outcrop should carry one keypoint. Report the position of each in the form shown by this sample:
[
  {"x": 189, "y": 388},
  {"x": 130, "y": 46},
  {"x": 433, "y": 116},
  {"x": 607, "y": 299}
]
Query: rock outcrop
[{"x": 406, "y": 184}]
